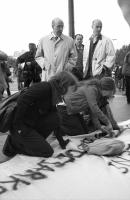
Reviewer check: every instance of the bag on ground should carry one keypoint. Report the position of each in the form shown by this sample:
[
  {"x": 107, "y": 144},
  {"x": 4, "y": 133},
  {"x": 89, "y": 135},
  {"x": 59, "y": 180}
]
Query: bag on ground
[{"x": 106, "y": 147}]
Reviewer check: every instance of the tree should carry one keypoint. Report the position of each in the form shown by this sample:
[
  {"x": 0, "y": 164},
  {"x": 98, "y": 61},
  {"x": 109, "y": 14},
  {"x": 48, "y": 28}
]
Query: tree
[{"x": 120, "y": 54}]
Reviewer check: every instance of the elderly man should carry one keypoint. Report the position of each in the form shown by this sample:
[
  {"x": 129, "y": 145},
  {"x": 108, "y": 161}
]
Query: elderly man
[
  {"x": 99, "y": 55},
  {"x": 56, "y": 51}
]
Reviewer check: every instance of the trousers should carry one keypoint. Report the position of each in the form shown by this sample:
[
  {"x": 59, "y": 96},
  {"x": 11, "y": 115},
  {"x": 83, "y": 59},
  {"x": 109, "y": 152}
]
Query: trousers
[{"x": 32, "y": 139}]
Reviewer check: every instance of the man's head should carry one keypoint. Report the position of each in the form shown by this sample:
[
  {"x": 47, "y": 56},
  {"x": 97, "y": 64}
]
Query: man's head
[
  {"x": 97, "y": 27},
  {"x": 57, "y": 26},
  {"x": 78, "y": 39},
  {"x": 32, "y": 47}
]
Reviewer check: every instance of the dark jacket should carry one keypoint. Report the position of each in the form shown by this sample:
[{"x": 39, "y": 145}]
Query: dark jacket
[
  {"x": 79, "y": 62},
  {"x": 33, "y": 103},
  {"x": 31, "y": 71}
]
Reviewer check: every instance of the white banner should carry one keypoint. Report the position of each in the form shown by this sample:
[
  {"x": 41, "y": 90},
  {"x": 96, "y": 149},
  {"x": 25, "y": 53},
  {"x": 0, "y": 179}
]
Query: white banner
[{"x": 68, "y": 175}]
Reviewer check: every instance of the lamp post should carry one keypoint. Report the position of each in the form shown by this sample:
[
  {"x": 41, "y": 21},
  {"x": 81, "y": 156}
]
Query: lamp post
[{"x": 71, "y": 18}]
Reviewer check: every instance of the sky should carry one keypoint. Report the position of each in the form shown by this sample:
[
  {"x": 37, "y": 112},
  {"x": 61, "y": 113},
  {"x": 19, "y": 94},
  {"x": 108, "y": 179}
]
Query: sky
[{"x": 25, "y": 21}]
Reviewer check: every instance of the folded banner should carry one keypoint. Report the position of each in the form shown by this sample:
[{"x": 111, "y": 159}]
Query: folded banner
[{"x": 69, "y": 174}]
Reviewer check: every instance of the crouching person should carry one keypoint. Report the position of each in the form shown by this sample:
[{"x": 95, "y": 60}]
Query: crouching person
[
  {"x": 36, "y": 117},
  {"x": 92, "y": 97}
]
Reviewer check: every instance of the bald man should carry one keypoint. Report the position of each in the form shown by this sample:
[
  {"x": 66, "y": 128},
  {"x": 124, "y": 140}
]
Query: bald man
[
  {"x": 99, "y": 54},
  {"x": 56, "y": 52}
]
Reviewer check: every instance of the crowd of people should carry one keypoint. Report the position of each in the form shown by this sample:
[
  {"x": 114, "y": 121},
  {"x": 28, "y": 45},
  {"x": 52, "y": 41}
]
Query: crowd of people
[{"x": 67, "y": 83}]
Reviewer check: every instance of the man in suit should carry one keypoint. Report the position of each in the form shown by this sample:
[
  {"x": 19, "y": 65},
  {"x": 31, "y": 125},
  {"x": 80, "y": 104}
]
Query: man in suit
[
  {"x": 99, "y": 53},
  {"x": 56, "y": 51}
]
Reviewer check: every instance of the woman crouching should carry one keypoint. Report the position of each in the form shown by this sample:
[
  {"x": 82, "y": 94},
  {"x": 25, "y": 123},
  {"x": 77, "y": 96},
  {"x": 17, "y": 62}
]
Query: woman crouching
[
  {"x": 36, "y": 117},
  {"x": 91, "y": 98}
]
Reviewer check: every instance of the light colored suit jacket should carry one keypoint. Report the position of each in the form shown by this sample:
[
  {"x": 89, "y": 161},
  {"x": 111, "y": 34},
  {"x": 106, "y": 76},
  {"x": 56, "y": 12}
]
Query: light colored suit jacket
[
  {"x": 104, "y": 54},
  {"x": 55, "y": 55}
]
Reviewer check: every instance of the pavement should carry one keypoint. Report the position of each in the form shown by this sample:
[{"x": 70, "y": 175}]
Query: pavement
[
  {"x": 120, "y": 108},
  {"x": 118, "y": 104}
]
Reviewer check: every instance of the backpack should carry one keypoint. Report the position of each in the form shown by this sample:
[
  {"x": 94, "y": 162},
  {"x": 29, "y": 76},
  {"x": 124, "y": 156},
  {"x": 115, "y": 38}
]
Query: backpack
[{"x": 7, "y": 110}]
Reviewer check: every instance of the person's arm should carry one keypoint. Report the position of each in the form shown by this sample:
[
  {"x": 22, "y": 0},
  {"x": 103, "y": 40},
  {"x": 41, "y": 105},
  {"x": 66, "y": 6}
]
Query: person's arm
[
  {"x": 85, "y": 57},
  {"x": 22, "y": 58},
  {"x": 110, "y": 55},
  {"x": 72, "y": 57},
  {"x": 111, "y": 118},
  {"x": 98, "y": 116},
  {"x": 39, "y": 56},
  {"x": 63, "y": 143}
]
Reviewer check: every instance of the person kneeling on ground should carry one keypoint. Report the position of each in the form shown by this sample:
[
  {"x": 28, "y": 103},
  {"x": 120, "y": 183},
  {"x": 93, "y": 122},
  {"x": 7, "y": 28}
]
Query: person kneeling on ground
[
  {"x": 91, "y": 97},
  {"x": 36, "y": 117}
]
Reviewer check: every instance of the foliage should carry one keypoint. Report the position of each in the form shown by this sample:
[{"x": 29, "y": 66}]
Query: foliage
[{"x": 120, "y": 54}]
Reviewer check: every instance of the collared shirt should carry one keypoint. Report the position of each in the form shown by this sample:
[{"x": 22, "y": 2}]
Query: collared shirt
[
  {"x": 93, "y": 43},
  {"x": 54, "y": 37},
  {"x": 57, "y": 54},
  {"x": 104, "y": 54}
]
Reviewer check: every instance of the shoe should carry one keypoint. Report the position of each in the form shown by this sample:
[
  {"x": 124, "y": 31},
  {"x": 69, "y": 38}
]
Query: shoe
[{"x": 8, "y": 149}]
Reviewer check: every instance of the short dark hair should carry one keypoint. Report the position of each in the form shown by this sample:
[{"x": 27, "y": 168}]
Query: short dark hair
[
  {"x": 32, "y": 44},
  {"x": 78, "y": 35}
]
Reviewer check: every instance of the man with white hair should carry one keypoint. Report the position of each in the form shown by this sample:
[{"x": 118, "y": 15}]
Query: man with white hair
[
  {"x": 56, "y": 51},
  {"x": 99, "y": 53}
]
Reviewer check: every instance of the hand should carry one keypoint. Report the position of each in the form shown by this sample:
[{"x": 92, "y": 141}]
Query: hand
[
  {"x": 69, "y": 67},
  {"x": 71, "y": 146},
  {"x": 64, "y": 144},
  {"x": 106, "y": 129},
  {"x": 46, "y": 65},
  {"x": 121, "y": 129}
]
